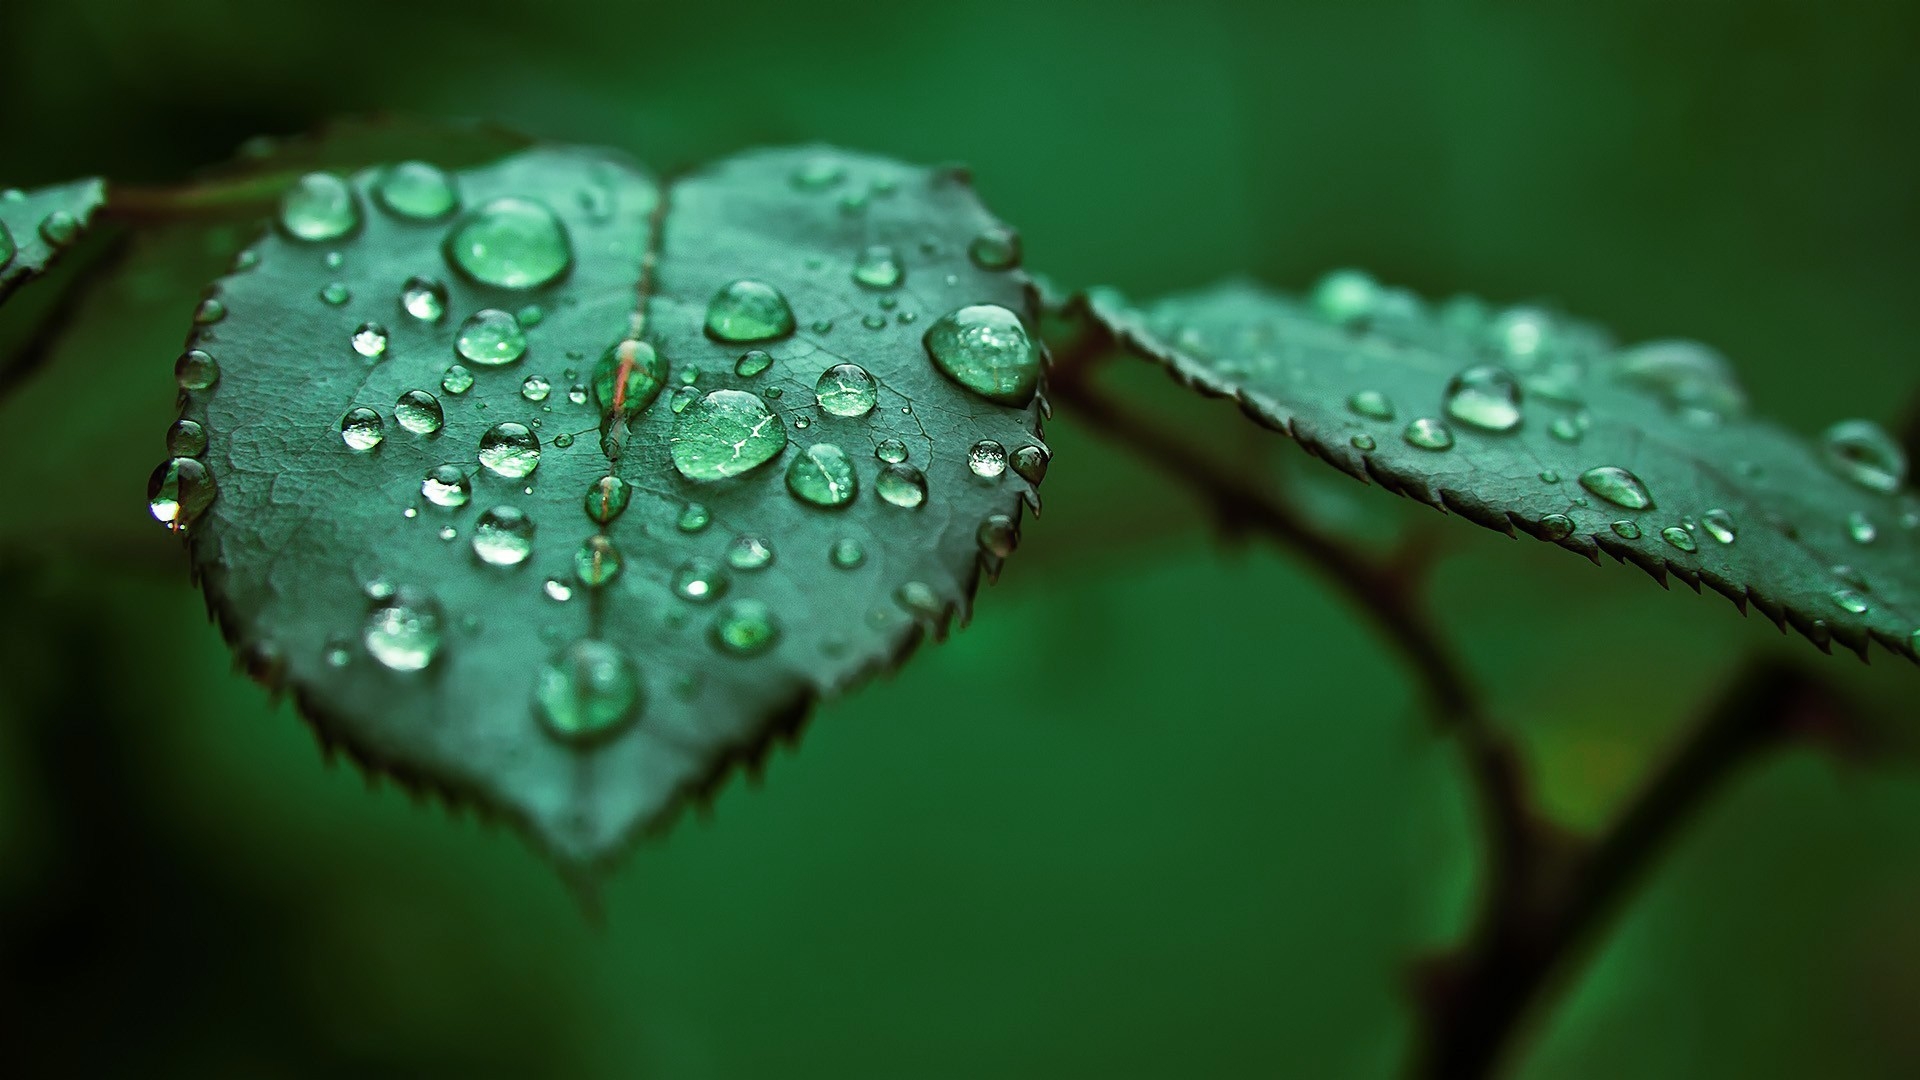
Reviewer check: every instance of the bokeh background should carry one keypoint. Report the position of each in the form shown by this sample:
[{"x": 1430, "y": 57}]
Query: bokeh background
[{"x": 1166, "y": 808}]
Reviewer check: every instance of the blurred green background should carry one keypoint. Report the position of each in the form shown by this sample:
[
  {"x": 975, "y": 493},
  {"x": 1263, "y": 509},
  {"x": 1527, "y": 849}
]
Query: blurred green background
[{"x": 1165, "y": 809}]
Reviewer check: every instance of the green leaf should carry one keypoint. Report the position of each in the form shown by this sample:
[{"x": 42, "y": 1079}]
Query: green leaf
[
  {"x": 37, "y": 227},
  {"x": 1646, "y": 454},
  {"x": 736, "y": 602}
]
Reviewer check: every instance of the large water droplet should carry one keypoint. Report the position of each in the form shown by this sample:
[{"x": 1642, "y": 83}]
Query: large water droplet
[
  {"x": 362, "y": 429},
  {"x": 902, "y": 485},
  {"x": 846, "y": 390},
  {"x": 995, "y": 248},
  {"x": 1428, "y": 434},
  {"x": 822, "y": 475},
  {"x": 607, "y": 498},
  {"x": 724, "y": 434},
  {"x": 588, "y": 692},
  {"x": 1617, "y": 486},
  {"x": 416, "y": 190},
  {"x": 186, "y": 438},
  {"x": 878, "y": 268},
  {"x": 503, "y": 537},
  {"x": 1486, "y": 397},
  {"x": 370, "y": 340},
  {"x": 700, "y": 580},
  {"x": 985, "y": 348},
  {"x": 987, "y": 459},
  {"x": 424, "y": 299},
  {"x": 1685, "y": 376},
  {"x": 597, "y": 562},
  {"x": 748, "y": 311},
  {"x": 446, "y": 485},
  {"x": 510, "y": 450},
  {"x": 178, "y": 492},
  {"x": 196, "y": 370},
  {"x": 511, "y": 243},
  {"x": 319, "y": 207},
  {"x": 1864, "y": 453},
  {"x": 491, "y": 337},
  {"x": 419, "y": 412},
  {"x": 628, "y": 376},
  {"x": 745, "y": 627},
  {"x": 403, "y": 632}
]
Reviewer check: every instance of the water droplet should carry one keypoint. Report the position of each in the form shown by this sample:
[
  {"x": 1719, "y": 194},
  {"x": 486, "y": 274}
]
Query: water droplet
[
  {"x": 985, "y": 348},
  {"x": 1556, "y": 527},
  {"x": 210, "y": 311},
  {"x": 847, "y": 554},
  {"x": 748, "y": 311},
  {"x": 186, "y": 439},
  {"x": 416, "y": 190},
  {"x": 419, "y": 412},
  {"x": 878, "y": 268},
  {"x": 1850, "y": 601},
  {"x": 892, "y": 451},
  {"x": 370, "y": 340},
  {"x": 1522, "y": 333},
  {"x": 587, "y": 693},
  {"x": 607, "y": 498},
  {"x": 1861, "y": 528},
  {"x": 995, "y": 248},
  {"x": 1685, "y": 376},
  {"x": 446, "y": 485},
  {"x": 750, "y": 553},
  {"x": 752, "y": 362},
  {"x": 724, "y": 434},
  {"x": 1485, "y": 397},
  {"x": 597, "y": 562},
  {"x": 1864, "y": 453},
  {"x": 178, "y": 492},
  {"x": 645, "y": 374},
  {"x": 1679, "y": 538},
  {"x": 558, "y": 591},
  {"x": 535, "y": 388},
  {"x": 319, "y": 207},
  {"x": 503, "y": 537},
  {"x": 424, "y": 299},
  {"x": 512, "y": 243},
  {"x": 335, "y": 294},
  {"x": 510, "y": 450},
  {"x": 873, "y": 322},
  {"x": 1719, "y": 525},
  {"x": 362, "y": 429},
  {"x": 745, "y": 627},
  {"x": 818, "y": 172},
  {"x": 1345, "y": 296},
  {"x": 683, "y": 397},
  {"x": 1626, "y": 530},
  {"x": 902, "y": 485},
  {"x": 700, "y": 580},
  {"x": 334, "y": 260},
  {"x": 491, "y": 337},
  {"x": 1617, "y": 486},
  {"x": 1428, "y": 434},
  {"x": 403, "y": 632},
  {"x": 1371, "y": 403},
  {"x": 1030, "y": 462},
  {"x": 997, "y": 536},
  {"x": 337, "y": 653},
  {"x": 823, "y": 326},
  {"x": 987, "y": 458},
  {"x": 846, "y": 390},
  {"x": 822, "y": 475},
  {"x": 457, "y": 380},
  {"x": 919, "y": 599},
  {"x": 1567, "y": 428},
  {"x": 1548, "y": 476},
  {"x": 577, "y": 393},
  {"x": 196, "y": 370}
]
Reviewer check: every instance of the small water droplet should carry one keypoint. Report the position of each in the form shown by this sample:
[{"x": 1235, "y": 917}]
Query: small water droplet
[
  {"x": 1428, "y": 433},
  {"x": 1371, "y": 403},
  {"x": 748, "y": 311},
  {"x": 535, "y": 388},
  {"x": 750, "y": 553},
  {"x": 985, "y": 348},
  {"x": 725, "y": 433},
  {"x": 457, "y": 380},
  {"x": 1850, "y": 601},
  {"x": 424, "y": 299},
  {"x": 362, "y": 429},
  {"x": 511, "y": 243},
  {"x": 752, "y": 362},
  {"x": 1679, "y": 538},
  {"x": 446, "y": 485},
  {"x": 873, "y": 321},
  {"x": 745, "y": 627},
  {"x": 987, "y": 459},
  {"x": 403, "y": 632},
  {"x": 607, "y": 498},
  {"x": 683, "y": 397},
  {"x": 178, "y": 492},
  {"x": 847, "y": 554},
  {"x": 997, "y": 536},
  {"x": 196, "y": 370},
  {"x": 1030, "y": 462},
  {"x": 1861, "y": 528},
  {"x": 1556, "y": 527},
  {"x": 448, "y": 532},
  {"x": 577, "y": 393},
  {"x": 597, "y": 562},
  {"x": 503, "y": 536},
  {"x": 1719, "y": 525},
  {"x": 694, "y": 518},
  {"x": 1362, "y": 442},
  {"x": 1486, "y": 397},
  {"x": 337, "y": 652},
  {"x": 416, "y": 191},
  {"x": 491, "y": 337},
  {"x": 335, "y": 294},
  {"x": 1686, "y": 376},
  {"x": 1617, "y": 486},
  {"x": 878, "y": 268},
  {"x": 1548, "y": 476},
  {"x": 902, "y": 485},
  {"x": 186, "y": 439},
  {"x": 419, "y": 412},
  {"x": 1626, "y": 530},
  {"x": 823, "y": 476},
  {"x": 370, "y": 340},
  {"x": 319, "y": 207},
  {"x": 587, "y": 693},
  {"x": 510, "y": 450},
  {"x": 563, "y": 440},
  {"x": 700, "y": 580},
  {"x": 1864, "y": 453},
  {"x": 995, "y": 248},
  {"x": 558, "y": 591},
  {"x": 919, "y": 599},
  {"x": 892, "y": 451},
  {"x": 1346, "y": 296},
  {"x": 1567, "y": 428},
  {"x": 818, "y": 172},
  {"x": 645, "y": 375},
  {"x": 210, "y": 311},
  {"x": 1524, "y": 334}
]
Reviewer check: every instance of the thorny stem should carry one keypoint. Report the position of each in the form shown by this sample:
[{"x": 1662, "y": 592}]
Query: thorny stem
[{"x": 1547, "y": 894}]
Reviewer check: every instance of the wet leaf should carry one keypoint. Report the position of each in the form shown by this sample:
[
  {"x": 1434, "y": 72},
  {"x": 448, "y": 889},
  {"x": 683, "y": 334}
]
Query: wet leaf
[
  {"x": 1526, "y": 421},
  {"x": 583, "y": 654},
  {"x": 37, "y": 227}
]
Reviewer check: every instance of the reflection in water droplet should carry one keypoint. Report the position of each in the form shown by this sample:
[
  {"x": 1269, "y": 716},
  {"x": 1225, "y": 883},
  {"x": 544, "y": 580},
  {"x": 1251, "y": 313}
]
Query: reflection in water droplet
[
  {"x": 446, "y": 485},
  {"x": 745, "y": 627},
  {"x": 607, "y": 498},
  {"x": 424, "y": 299},
  {"x": 995, "y": 248},
  {"x": 1617, "y": 486},
  {"x": 847, "y": 554},
  {"x": 878, "y": 268},
  {"x": 1428, "y": 434},
  {"x": 845, "y": 390},
  {"x": 535, "y": 388},
  {"x": 1679, "y": 538},
  {"x": 178, "y": 492},
  {"x": 892, "y": 451},
  {"x": 823, "y": 476},
  {"x": 700, "y": 580},
  {"x": 987, "y": 458},
  {"x": 186, "y": 439},
  {"x": 1864, "y": 453},
  {"x": 629, "y": 376},
  {"x": 997, "y": 536},
  {"x": 1030, "y": 462},
  {"x": 457, "y": 380},
  {"x": 1626, "y": 530},
  {"x": 210, "y": 311},
  {"x": 694, "y": 518},
  {"x": 587, "y": 693},
  {"x": 724, "y": 434},
  {"x": 1719, "y": 525},
  {"x": 597, "y": 562},
  {"x": 1486, "y": 397},
  {"x": 491, "y": 337},
  {"x": 419, "y": 412},
  {"x": 1556, "y": 527},
  {"x": 752, "y": 362},
  {"x": 510, "y": 450},
  {"x": 748, "y": 311},
  {"x": 558, "y": 591},
  {"x": 403, "y": 633},
  {"x": 416, "y": 191},
  {"x": 985, "y": 348},
  {"x": 902, "y": 485},
  {"x": 511, "y": 243},
  {"x": 319, "y": 207},
  {"x": 362, "y": 429},
  {"x": 503, "y": 537},
  {"x": 370, "y": 340},
  {"x": 196, "y": 370},
  {"x": 750, "y": 553}
]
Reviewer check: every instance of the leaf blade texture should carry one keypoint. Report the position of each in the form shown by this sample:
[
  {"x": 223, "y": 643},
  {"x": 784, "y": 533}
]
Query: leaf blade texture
[{"x": 37, "y": 227}]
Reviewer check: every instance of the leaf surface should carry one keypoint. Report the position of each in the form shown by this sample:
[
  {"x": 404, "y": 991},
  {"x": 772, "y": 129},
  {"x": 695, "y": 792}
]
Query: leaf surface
[
  {"x": 1647, "y": 454},
  {"x": 36, "y": 227}
]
